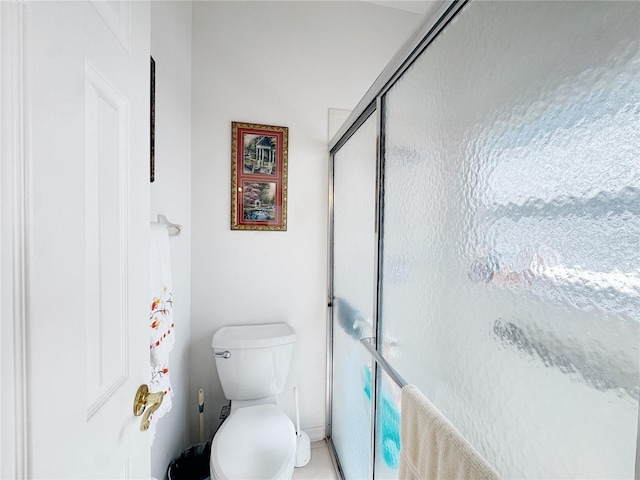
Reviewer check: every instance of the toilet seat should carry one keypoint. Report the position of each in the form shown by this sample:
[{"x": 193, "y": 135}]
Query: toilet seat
[{"x": 257, "y": 442}]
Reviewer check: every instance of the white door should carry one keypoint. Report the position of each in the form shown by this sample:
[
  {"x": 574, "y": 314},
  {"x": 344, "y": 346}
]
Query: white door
[{"x": 86, "y": 110}]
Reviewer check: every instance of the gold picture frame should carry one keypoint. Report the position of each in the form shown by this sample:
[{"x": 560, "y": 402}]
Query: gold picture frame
[{"x": 259, "y": 174}]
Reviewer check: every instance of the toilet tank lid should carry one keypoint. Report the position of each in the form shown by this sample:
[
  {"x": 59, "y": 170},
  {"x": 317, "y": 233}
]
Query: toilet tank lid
[{"x": 253, "y": 336}]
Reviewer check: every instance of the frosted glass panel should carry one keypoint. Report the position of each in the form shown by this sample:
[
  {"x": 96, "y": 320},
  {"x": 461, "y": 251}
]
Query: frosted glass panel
[
  {"x": 511, "y": 263},
  {"x": 354, "y": 197}
]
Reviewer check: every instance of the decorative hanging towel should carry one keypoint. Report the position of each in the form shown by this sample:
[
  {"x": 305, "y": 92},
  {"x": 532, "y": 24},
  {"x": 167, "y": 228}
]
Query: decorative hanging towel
[{"x": 161, "y": 325}]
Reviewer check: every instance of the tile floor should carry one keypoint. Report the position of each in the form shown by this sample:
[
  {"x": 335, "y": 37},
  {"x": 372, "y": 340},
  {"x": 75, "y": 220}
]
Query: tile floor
[{"x": 320, "y": 467}]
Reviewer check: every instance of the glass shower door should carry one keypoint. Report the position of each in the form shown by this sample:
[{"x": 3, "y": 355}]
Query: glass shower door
[
  {"x": 354, "y": 284},
  {"x": 511, "y": 261}
]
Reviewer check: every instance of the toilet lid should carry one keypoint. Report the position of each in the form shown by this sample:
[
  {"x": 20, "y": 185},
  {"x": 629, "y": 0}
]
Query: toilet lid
[{"x": 255, "y": 442}]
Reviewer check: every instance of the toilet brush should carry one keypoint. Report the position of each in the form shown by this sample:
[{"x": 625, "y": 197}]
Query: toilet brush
[
  {"x": 303, "y": 447},
  {"x": 201, "y": 410}
]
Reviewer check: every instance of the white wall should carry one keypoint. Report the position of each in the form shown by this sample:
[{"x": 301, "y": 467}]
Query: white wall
[
  {"x": 276, "y": 63},
  {"x": 12, "y": 316},
  {"x": 171, "y": 196}
]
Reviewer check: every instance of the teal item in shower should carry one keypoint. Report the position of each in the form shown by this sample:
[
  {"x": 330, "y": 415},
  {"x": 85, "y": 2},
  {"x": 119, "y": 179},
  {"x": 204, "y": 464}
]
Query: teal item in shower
[
  {"x": 389, "y": 423},
  {"x": 390, "y": 432},
  {"x": 366, "y": 379}
]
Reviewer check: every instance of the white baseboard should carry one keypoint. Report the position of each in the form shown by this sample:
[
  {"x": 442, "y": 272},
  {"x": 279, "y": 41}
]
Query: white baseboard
[{"x": 315, "y": 433}]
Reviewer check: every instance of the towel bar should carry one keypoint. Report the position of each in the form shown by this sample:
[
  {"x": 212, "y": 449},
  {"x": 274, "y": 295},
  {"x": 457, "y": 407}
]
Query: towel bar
[{"x": 395, "y": 376}]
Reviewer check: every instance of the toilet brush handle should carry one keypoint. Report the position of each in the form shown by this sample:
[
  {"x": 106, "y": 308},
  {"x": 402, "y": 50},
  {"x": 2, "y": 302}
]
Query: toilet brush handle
[
  {"x": 295, "y": 397},
  {"x": 201, "y": 410}
]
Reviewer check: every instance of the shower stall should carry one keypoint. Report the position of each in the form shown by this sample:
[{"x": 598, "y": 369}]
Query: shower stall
[{"x": 485, "y": 241}]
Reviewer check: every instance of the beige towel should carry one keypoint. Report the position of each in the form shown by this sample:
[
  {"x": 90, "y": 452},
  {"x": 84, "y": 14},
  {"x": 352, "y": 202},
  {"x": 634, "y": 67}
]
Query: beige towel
[{"x": 432, "y": 448}]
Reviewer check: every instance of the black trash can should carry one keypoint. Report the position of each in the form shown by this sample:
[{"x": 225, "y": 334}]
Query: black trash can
[{"x": 191, "y": 464}]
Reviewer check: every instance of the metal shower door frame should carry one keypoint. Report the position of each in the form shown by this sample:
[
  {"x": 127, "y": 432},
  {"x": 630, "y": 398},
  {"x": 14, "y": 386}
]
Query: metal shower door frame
[
  {"x": 435, "y": 19},
  {"x": 438, "y": 15}
]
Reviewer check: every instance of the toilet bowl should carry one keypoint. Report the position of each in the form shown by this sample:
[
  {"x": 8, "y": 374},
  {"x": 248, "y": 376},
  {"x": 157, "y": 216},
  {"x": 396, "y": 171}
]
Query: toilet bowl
[{"x": 256, "y": 442}]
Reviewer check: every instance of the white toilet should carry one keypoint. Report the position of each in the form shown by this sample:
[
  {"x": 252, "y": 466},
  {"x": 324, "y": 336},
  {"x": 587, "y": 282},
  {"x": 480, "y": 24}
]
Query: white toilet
[{"x": 257, "y": 440}]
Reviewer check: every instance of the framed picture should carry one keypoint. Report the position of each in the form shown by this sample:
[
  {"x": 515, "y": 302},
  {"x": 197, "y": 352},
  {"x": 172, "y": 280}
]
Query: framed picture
[
  {"x": 152, "y": 120},
  {"x": 258, "y": 177}
]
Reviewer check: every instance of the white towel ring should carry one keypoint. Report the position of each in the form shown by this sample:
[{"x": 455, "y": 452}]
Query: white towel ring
[{"x": 174, "y": 229}]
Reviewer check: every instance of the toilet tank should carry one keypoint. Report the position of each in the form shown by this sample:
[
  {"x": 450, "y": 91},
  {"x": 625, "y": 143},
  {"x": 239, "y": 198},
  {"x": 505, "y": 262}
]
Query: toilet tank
[{"x": 259, "y": 359}]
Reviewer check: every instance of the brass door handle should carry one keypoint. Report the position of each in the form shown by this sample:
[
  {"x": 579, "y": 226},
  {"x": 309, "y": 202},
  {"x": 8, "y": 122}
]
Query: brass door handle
[{"x": 143, "y": 399}]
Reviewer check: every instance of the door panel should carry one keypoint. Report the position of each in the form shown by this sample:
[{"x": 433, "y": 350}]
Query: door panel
[
  {"x": 354, "y": 197},
  {"x": 106, "y": 217},
  {"x": 87, "y": 97},
  {"x": 511, "y": 288}
]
